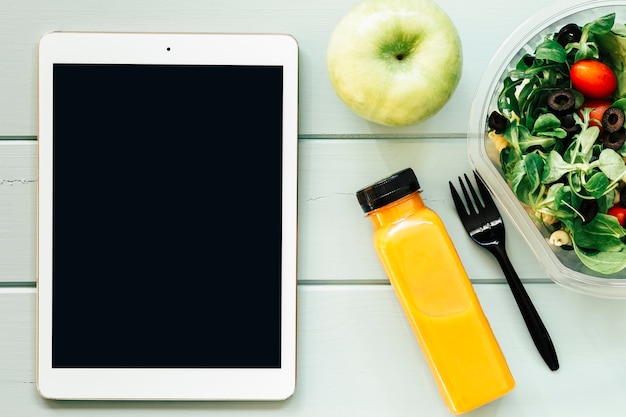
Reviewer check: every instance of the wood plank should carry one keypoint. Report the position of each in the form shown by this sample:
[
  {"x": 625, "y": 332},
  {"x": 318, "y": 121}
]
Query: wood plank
[
  {"x": 18, "y": 192},
  {"x": 335, "y": 240},
  {"x": 482, "y": 26},
  {"x": 334, "y": 237},
  {"x": 358, "y": 357}
]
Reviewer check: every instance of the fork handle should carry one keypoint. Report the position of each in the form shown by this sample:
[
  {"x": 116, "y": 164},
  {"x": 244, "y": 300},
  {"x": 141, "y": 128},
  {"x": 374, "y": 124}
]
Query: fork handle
[{"x": 535, "y": 325}]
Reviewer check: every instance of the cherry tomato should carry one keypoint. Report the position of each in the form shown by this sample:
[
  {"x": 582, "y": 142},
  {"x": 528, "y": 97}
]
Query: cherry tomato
[
  {"x": 598, "y": 106},
  {"x": 593, "y": 79},
  {"x": 619, "y": 212}
]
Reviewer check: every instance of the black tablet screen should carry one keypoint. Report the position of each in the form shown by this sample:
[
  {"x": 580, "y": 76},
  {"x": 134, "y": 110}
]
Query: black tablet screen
[{"x": 166, "y": 216}]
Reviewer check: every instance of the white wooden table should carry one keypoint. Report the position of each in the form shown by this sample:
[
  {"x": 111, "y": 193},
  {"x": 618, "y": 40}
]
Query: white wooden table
[{"x": 356, "y": 353}]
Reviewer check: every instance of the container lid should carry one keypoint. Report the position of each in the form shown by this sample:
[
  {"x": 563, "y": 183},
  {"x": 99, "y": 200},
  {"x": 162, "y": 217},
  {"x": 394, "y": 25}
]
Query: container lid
[{"x": 388, "y": 190}]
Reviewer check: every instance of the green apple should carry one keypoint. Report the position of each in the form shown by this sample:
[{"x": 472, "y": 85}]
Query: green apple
[{"x": 395, "y": 62}]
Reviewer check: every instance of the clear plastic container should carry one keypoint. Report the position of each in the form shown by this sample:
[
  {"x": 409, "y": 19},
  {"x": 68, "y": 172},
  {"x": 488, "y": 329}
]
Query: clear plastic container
[{"x": 563, "y": 266}]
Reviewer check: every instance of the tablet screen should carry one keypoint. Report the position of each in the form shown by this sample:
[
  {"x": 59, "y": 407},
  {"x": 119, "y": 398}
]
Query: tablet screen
[{"x": 166, "y": 216}]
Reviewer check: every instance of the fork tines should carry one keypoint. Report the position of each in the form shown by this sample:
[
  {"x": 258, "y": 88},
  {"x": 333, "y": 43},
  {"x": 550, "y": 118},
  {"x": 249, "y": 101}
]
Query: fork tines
[{"x": 473, "y": 205}]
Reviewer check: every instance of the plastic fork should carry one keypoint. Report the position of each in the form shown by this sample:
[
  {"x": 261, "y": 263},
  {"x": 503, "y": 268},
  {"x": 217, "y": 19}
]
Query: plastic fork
[{"x": 483, "y": 223}]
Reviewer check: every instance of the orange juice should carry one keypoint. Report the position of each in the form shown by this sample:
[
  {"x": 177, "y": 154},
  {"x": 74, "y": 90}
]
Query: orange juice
[{"x": 436, "y": 294}]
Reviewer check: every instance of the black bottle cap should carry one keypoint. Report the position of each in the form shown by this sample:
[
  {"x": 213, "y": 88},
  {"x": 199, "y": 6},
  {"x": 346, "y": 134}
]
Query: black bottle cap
[{"x": 388, "y": 190}]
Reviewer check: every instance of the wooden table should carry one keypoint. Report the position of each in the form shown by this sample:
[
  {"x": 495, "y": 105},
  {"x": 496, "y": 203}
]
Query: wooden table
[{"x": 356, "y": 353}]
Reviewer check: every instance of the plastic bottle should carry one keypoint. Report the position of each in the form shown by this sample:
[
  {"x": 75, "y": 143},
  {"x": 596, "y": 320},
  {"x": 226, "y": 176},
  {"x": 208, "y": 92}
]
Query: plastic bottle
[{"x": 436, "y": 294}]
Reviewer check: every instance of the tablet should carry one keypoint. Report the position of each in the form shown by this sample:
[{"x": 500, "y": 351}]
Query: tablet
[{"x": 167, "y": 212}]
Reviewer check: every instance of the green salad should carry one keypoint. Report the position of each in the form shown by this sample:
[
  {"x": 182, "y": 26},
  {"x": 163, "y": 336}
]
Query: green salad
[{"x": 559, "y": 126}]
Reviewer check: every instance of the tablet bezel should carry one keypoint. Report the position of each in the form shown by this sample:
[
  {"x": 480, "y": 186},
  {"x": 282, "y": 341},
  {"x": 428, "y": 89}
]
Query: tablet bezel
[{"x": 167, "y": 384}]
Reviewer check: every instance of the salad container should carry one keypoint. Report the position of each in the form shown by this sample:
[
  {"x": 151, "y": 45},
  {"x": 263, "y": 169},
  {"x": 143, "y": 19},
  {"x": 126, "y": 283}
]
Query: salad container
[{"x": 562, "y": 265}]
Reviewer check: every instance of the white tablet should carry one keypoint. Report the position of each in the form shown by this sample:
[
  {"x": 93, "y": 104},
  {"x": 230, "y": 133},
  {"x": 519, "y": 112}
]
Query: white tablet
[{"x": 167, "y": 216}]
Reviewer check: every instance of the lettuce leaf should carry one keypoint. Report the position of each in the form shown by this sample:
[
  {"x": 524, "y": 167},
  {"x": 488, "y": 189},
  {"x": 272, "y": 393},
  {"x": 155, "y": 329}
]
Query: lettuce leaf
[{"x": 613, "y": 47}]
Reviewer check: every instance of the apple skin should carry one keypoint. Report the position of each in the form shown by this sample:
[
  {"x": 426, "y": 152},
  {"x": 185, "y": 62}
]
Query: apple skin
[{"x": 395, "y": 62}]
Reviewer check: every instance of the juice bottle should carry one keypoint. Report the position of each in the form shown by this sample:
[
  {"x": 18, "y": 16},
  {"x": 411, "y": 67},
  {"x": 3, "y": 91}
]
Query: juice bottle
[{"x": 436, "y": 294}]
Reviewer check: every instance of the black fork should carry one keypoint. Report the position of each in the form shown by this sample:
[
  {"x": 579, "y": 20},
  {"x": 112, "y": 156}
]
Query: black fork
[{"x": 484, "y": 225}]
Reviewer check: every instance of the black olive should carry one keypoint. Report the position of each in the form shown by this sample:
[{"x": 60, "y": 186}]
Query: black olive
[
  {"x": 605, "y": 139},
  {"x": 588, "y": 209},
  {"x": 561, "y": 101},
  {"x": 613, "y": 119},
  {"x": 497, "y": 122},
  {"x": 568, "y": 123},
  {"x": 568, "y": 34},
  {"x": 529, "y": 60},
  {"x": 614, "y": 140}
]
